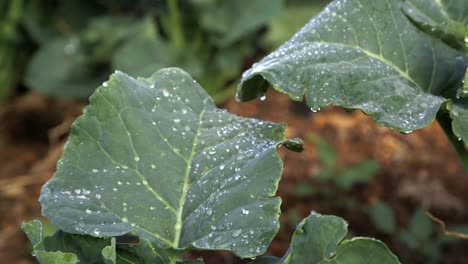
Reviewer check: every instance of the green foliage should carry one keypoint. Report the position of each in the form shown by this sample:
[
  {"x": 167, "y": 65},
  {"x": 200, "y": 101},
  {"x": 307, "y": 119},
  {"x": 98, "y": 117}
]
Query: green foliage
[
  {"x": 319, "y": 239},
  {"x": 210, "y": 185},
  {"x": 383, "y": 217},
  {"x": 419, "y": 238},
  {"x": 81, "y": 43},
  {"x": 11, "y": 56},
  {"x": 377, "y": 56},
  {"x": 336, "y": 176}
]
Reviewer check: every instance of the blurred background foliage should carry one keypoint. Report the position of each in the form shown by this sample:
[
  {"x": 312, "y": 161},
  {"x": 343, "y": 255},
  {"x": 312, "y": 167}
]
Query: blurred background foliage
[{"x": 68, "y": 48}]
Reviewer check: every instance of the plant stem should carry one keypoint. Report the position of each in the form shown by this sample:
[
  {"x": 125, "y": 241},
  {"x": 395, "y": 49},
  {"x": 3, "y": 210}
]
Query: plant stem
[
  {"x": 445, "y": 123},
  {"x": 176, "y": 32}
]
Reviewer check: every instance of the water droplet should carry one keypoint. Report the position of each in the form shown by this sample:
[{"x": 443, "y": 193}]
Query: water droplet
[
  {"x": 262, "y": 98},
  {"x": 245, "y": 211},
  {"x": 94, "y": 170},
  {"x": 209, "y": 211},
  {"x": 137, "y": 158},
  {"x": 221, "y": 167},
  {"x": 236, "y": 233},
  {"x": 105, "y": 84},
  {"x": 176, "y": 120},
  {"x": 88, "y": 211},
  {"x": 98, "y": 196}
]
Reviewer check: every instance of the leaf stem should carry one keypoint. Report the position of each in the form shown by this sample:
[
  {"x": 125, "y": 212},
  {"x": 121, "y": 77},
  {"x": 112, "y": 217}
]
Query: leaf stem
[
  {"x": 445, "y": 123},
  {"x": 176, "y": 31}
]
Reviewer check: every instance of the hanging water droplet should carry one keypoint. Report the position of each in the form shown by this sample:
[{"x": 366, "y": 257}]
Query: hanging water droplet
[
  {"x": 105, "y": 84},
  {"x": 262, "y": 98}
]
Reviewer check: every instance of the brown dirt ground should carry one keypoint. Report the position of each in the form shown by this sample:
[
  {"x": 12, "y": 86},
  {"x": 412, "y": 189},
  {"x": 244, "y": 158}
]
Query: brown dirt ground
[{"x": 418, "y": 169}]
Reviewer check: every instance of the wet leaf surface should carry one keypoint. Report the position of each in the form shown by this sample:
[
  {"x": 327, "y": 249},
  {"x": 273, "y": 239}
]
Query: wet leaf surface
[{"x": 157, "y": 157}]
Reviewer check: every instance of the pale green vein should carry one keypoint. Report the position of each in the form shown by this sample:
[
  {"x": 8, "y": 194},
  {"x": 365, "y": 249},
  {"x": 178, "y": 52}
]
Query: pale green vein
[
  {"x": 434, "y": 67},
  {"x": 375, "y": 56},
  {"x": 374, "y": 25},
  {"x": 442, "y": 9},
  {"x": 402, "y": 45},
  {"x": 157, "y": 236},
  {"x": 183, "y": 198},
  {"x": 156, "y": 195}
]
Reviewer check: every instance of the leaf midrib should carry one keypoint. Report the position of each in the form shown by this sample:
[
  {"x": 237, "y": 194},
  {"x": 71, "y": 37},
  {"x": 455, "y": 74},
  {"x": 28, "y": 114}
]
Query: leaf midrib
[{"x": 185, "y": 188}]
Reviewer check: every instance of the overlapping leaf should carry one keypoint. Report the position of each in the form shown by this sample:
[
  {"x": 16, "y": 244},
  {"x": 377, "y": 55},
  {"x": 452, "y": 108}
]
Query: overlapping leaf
[
  {"x": 319, "y": 239},
  {"x": 155, "y": 156},
  {"x": 363, "y": 54},
  {"x": 445, "y": 19}
]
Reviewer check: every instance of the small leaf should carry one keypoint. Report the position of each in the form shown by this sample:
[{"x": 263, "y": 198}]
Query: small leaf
[
  {"x": 358, "y": 174},
  {"x": 318, "y": 239},
  {"x": 326, "y": 153},
  {"x": 383, "y": 217},
  {"x": 156, "y": 157},
  {"x": 33, "y": 230},
  {"x": 363, "y": 54},
  {"x": 420, "y": 226},
  {"x": 459, "y": 115},
  {"x": 109, "y": 253}
]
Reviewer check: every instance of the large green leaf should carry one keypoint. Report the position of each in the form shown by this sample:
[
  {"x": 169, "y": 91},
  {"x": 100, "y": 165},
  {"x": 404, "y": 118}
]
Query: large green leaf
[
  {"x": 445, "y": 19},
  {"x": 155, "y": 156},
  {"x": 318, "y": 239},
  {"x": 232, "y": 20},
  {"x": 363, "y": 54}
]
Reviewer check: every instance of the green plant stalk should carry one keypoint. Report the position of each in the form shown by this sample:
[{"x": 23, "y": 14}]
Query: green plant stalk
[
  {"x": 176, "y": 30},
  {"x": 445, "y": 123}
]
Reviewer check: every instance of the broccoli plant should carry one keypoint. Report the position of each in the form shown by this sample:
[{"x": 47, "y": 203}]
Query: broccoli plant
[
  {"x": 153, "y": 169},
  {"x": 154, "y": 161}
]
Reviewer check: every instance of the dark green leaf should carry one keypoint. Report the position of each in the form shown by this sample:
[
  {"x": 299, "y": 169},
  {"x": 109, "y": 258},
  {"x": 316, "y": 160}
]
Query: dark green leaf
[
  {"x": 232, "y": 20},
  {"x": 420, "y": 226},
  {"x": 291, "y": 19},
  {"x": 75, "y": 64},
  {"x": 318, "y": 239},
  {"x": 459, "y": 114},
  {"x": 70, "y": 248},
  {"x": 363, "y": 54},
  {"x": 155, "y": 156},
  {"x": 445, "y": 19},
  {"x": 383, "y": 217},
  {"x": 68, "y": 74},
  {"x": 146, "y": 52},
  {"x": 359, "y": 173}
]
